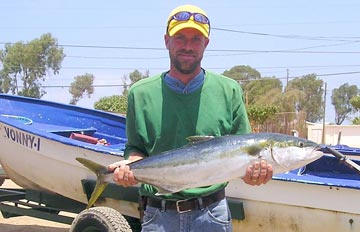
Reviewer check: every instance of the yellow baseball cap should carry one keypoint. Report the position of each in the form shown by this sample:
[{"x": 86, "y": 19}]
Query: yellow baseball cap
[{"x": 194, "y": 19}]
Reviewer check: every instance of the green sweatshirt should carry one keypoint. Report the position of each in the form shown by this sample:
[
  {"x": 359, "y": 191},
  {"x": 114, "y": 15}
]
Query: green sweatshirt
[{"x": 159, "y": 119}]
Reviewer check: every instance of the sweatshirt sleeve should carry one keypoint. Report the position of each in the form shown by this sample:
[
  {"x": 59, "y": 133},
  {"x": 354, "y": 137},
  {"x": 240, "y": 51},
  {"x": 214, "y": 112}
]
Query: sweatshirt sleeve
[
  {"x": 134, "y": 139},
  {"x": 241, "y": 124}
]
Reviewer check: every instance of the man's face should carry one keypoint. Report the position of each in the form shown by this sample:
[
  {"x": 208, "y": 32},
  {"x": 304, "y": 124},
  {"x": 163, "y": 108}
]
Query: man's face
[{"x": 186, "y": 49}]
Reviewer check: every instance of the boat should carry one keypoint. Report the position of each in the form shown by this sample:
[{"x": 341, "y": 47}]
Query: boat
[{"x": 40, "y": 141}]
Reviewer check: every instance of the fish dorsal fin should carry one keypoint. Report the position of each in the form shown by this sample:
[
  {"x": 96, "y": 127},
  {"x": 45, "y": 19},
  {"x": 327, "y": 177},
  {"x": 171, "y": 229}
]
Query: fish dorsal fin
[{"x": 199, "y": 138}]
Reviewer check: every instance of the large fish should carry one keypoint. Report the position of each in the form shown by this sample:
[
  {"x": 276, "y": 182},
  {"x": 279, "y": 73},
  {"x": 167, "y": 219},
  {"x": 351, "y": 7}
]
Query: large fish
[{"x": 208, "y": 160}]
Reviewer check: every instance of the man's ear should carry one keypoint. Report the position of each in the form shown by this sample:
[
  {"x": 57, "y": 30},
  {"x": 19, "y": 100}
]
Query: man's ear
[
  {"x": 207, "y": 42},
  {"x": 167, "y": 40}
]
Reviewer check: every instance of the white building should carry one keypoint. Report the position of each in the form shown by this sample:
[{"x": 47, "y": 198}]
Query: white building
[{"x": 335, "y": 134}]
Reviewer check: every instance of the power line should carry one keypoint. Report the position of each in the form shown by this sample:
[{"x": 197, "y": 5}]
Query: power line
[
  {"x": 208, "y": 50},
  {"x": 67, "y": 86},
  {"x": 326, "y": 38}
]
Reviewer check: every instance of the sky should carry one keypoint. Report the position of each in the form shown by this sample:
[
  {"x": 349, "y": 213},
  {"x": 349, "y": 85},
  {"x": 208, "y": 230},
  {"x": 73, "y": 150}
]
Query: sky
[{"x": 110, "y": 39}]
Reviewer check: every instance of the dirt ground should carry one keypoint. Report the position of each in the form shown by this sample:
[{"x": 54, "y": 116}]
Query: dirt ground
[{"x": 28, "y": 224}]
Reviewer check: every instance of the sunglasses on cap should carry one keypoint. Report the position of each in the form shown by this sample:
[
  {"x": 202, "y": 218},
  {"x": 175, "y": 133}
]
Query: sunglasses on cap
[{"x": 185, "y": 16}]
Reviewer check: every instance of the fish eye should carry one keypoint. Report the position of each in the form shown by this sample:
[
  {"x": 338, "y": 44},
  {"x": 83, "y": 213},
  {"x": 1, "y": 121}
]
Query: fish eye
[{"x": 301, "y": 144}]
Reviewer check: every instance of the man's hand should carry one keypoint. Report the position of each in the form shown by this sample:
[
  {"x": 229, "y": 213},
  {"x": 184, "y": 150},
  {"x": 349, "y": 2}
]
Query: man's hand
[
  {"x": 259, "y": 173},
  {"x": 122, "y": 173}
]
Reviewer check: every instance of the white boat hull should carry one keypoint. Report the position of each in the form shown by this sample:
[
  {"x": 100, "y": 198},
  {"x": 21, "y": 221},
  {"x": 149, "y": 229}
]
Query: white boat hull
[
  {"x": 60, "y": 172},
  {"x": 296, "y": 207},
  {"x": 268, "y": 217}
]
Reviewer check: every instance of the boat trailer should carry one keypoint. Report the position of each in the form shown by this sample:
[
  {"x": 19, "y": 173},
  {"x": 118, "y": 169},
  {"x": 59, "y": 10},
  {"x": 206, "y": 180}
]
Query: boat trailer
[
  {"x": 22, "y": 202},
  {"x": 54, "y": 207}
]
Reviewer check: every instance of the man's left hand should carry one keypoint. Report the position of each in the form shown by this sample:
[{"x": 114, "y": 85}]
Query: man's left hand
[{"x": 258, "y": 173}]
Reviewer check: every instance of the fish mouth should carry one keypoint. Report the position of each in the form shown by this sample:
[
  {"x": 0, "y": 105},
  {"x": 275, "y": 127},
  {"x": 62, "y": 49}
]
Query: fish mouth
[
  {"x": 311, "y": 153},
  {"x": 316, "y": 153},
  {"x": 318, "y": 149}
]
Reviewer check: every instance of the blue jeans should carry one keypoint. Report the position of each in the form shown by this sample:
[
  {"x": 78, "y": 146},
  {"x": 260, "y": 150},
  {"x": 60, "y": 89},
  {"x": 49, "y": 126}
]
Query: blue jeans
[{"x": 215, "y": 217}]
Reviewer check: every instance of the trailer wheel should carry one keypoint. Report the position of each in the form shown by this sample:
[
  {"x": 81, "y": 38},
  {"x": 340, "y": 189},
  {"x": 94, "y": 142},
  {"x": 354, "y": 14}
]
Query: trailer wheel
[{"x": 100, "y": 219}]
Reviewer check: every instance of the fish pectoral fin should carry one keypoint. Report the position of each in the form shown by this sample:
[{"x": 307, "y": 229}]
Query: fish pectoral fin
[
  {"x": 253, "y": 150},
  {"x": 199, "y": 138}
]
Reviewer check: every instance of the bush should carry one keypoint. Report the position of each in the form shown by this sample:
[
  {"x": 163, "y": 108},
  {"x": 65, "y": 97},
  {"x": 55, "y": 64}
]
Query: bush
[{"x": 114, "y": 103}]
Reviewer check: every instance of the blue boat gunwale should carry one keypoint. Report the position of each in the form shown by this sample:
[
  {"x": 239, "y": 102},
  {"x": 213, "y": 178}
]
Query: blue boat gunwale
[{"x": 112, "y": 149}]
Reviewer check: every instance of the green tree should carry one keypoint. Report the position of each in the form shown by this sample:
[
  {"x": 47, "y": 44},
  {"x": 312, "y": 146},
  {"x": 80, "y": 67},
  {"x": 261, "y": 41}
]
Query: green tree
[
  {"x": 81, "y": 85},
  {"x": 263, "y": 90},
  {"x": 356, "y": 121},
  {"x": 136, "y": 76},
  {"x": 1, "y": 82},
  {"x": 355, "y": 102},
  {"x": 341, "y": 100},
  {"x": 243, "y": 74},
  {"x": 311, "y": 101},
  {"x": 125, "y": 86},
  {"x": 25, "y": 65}
]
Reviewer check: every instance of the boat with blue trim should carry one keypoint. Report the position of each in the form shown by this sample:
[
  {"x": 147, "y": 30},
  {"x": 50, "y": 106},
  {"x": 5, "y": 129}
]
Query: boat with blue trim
[{"x": 40, "y": 140}]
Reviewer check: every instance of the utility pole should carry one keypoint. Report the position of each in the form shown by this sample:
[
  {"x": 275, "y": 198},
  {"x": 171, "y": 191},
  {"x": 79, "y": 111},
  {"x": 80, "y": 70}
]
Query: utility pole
[{"x": 323, "y": 126}]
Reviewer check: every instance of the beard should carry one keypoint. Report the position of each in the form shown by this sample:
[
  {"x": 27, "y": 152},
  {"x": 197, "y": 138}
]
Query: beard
[{"x": 185, "y": 67}]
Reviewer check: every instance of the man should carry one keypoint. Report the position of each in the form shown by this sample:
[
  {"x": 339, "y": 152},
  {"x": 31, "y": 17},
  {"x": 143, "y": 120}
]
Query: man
[{"x": 165, "y": 109}]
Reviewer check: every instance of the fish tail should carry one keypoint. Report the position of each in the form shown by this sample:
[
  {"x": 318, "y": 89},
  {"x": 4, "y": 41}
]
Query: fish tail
[{"x": 100, "y": 171}]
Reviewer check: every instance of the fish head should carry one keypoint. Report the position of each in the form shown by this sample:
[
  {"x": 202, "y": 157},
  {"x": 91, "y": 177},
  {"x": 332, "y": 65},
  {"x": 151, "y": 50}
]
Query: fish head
[{"x": 293, "y": 152}]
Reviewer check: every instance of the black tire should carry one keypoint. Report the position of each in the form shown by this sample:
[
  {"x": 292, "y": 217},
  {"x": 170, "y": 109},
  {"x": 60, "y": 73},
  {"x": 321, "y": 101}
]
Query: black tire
[
  {"x": 2, "y": 180},
  {"x": 100, "y": 219}
]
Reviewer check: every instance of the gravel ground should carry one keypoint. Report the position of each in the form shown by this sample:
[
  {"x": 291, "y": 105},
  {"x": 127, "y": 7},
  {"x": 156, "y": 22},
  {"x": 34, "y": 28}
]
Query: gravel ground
[{"x": 28, "y": 224}]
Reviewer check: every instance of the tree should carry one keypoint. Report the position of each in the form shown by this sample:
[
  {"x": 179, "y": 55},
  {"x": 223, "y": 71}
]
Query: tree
[
  {"x": 136, "y": 76},
  {"x": 311, "y": 100},
  {"x": 125, "y": 86},
  {"x": 118, "y": 103},
  {"x": 341, "y": 100},
  {"x": 1, "y": 82},
  {"x": 356, "y": 121},
  {"x": 355, "y": 102},
  {"x": 263, "y": 90},
  {"x": 82, "y": 84},
  {"x": 25, "y": 65},
  {"x": 243, "y": 74}
]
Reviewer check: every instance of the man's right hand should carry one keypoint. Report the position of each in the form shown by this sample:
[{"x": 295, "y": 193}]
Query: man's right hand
[{"x": 122, "y": 173}]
